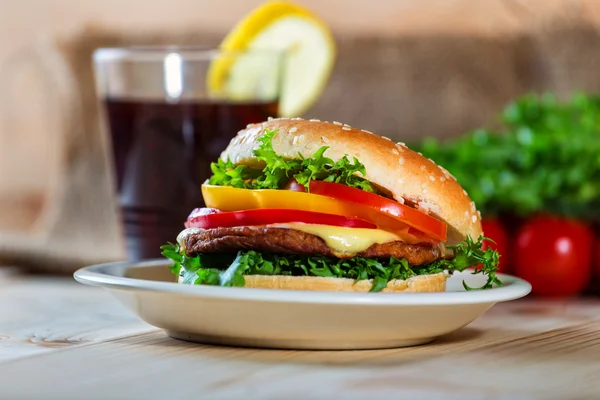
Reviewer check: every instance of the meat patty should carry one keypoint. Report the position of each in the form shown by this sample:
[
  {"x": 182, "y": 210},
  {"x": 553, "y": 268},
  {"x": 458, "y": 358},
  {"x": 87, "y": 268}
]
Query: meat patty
[{"x": 291, "y": 241}]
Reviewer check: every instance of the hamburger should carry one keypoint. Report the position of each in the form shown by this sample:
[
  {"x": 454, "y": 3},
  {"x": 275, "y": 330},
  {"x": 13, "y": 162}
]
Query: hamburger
[{"x": 309, "y": 205}]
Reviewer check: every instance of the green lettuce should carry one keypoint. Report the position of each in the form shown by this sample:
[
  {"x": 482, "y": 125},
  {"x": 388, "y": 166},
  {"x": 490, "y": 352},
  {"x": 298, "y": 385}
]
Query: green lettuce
[
  {"x": 278, "y": 170},
  {"x": 229, "y": 269}
]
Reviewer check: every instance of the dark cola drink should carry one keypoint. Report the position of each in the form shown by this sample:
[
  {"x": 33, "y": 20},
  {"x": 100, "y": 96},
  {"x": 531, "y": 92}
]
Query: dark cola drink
[{"x": 162, "y": 155}]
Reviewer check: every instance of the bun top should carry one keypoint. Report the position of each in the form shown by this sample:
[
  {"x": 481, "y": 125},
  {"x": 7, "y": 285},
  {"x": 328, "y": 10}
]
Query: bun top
[{"x": 406, "y": 175}]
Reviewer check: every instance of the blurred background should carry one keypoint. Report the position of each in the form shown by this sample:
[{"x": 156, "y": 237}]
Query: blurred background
[{"x": 501, "y": 92}]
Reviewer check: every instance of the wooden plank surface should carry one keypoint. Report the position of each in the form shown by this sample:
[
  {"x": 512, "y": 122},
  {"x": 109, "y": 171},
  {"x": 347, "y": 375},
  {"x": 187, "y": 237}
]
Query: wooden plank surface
[
  {"x": 67, "y": 341},
  {"x": 46, "y": 314}
]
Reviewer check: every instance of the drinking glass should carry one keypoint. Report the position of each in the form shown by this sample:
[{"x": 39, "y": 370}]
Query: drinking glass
[{"x": 170, "y": 112}]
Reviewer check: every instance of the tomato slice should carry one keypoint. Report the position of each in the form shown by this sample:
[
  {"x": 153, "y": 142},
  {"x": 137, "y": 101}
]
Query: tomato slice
[
  {"x": 413, "y": 217},
  {"x": 227, "y": 198},
  {"x": 267, "y": 216}
]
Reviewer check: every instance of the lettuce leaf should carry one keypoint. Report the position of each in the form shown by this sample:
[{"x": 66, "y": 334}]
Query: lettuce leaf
[
  {"x": 278, "y": 170},
  {"x": 229, "y": 269}
]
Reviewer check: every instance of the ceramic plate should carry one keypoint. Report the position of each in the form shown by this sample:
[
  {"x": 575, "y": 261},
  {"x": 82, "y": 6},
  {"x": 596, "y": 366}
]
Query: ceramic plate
[{"x": 295, "y": 319}]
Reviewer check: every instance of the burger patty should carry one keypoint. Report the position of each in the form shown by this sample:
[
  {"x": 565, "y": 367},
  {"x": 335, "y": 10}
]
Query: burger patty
[{"x": 291, "y": 241}]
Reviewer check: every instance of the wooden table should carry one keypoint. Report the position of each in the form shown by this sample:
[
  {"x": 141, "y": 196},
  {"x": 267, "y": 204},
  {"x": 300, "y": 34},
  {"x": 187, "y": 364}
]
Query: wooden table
[{"x": 63, "y": 340}]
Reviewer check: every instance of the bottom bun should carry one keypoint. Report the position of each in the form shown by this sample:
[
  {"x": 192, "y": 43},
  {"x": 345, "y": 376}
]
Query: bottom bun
[{"x": 421, "y": 283}]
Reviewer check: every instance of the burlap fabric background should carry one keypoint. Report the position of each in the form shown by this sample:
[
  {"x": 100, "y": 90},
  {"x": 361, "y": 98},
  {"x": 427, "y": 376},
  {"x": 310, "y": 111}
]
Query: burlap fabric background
[{"x": 404, "y": 88}]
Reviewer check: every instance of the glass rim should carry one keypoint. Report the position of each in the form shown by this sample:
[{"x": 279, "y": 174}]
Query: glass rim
[{"x": 158, "y": 53}]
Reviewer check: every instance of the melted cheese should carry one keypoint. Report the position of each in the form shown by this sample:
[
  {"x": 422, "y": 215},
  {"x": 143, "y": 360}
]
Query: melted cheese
[
  {"x": 343, "y": 240},
  {"x": 339, "y": 239}
]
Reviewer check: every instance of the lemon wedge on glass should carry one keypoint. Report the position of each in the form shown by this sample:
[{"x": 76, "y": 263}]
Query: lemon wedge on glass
[{"x": 303, "y": 43}]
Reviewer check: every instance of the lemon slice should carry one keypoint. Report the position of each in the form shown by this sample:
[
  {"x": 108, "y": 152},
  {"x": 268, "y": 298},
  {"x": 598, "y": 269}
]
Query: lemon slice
[{"x": 280, "y": 28}]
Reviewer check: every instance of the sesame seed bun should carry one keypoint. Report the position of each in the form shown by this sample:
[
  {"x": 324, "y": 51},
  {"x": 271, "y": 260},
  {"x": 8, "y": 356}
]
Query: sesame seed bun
[
  {"x": 421, "y": 283},
  {"x": 406, "y": 175}
]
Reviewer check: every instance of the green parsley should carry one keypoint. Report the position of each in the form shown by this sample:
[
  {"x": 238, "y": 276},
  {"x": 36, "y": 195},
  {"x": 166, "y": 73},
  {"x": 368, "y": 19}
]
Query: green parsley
[
  {"x": 470, "y": 254},
  {"x": 544, "y": 158}
]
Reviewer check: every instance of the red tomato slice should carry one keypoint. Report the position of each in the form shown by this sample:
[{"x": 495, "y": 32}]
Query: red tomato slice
[
  {"x": 234, "y": 199},
  {"x": 266, "y": 216},
  {"x": 411, "y": 216}
]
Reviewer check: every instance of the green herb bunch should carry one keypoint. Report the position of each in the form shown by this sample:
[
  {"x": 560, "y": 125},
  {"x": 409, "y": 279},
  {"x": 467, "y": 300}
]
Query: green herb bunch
[{"x": 545, "y": 158}]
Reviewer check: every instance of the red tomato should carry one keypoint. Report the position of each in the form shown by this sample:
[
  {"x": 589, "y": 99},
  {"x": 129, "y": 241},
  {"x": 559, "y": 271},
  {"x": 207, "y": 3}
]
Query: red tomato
[
  {"x": 554, "y": 255},
  {"x": 417, "y": 219},
  {"x": 596, "y": 255},
  {"x": 493, "y": 229},
  {"x": 267, "y": 216}
]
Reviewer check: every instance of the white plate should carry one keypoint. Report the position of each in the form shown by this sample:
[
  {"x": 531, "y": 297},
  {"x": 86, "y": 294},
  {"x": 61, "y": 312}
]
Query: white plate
[{"x": 295, "y": 319}]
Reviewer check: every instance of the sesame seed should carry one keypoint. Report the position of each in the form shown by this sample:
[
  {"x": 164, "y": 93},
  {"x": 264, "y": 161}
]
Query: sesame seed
[
  {"x": 396, "y": 152},
  {"x": 293, "y": 129},
  {"x": 431, "y": 160},
  {"x": 324, "y": 139},
  {"x": 400, "y": 200},
  {"x": 419, "y": 153},
  {"x": 300, "y": 138},
  {"x": 401, "y": 161},
  {"x": 474, "y": 218},
  {"x": 431, "y": 178},
  {"x": 314, "y": 120},
  {"x": 366, "y": 131},
  {"x": 467, "y": 214},
  {"x": 337, "y": 123},
  {"x": 386, "y": 138},
  {"x": 297, "y": 119},
  {"x": 270, "y": 119},
  {"x": 346, "y": 128},
  {"x": 472, "y": 206},
  {"x": 422, "y": 168},
  {"x": 295, "y": 140},
  {"x": 465, "y": 192},
  {"x": 401, "y": 144},
  {"x": 442, "y": 179},
  {"x": 478, "y": 213},
  {"x": 347, "y": 125},
  {"x": 445, "y": 172}
]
